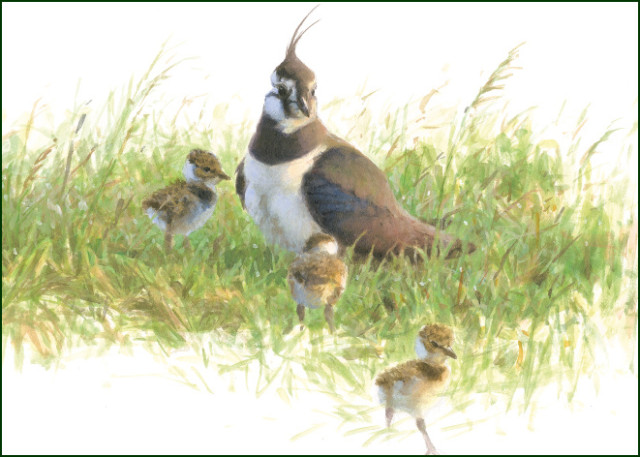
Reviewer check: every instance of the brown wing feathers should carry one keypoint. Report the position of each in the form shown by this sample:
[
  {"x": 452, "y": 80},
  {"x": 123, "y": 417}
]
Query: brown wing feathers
[{"x": 350, "y": 198}]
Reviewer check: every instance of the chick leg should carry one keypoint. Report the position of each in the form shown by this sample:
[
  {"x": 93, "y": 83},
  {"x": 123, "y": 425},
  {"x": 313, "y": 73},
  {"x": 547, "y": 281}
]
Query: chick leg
[
  {"x": 168, "y": 240},
  {"x": 300, "y": 311},
  {"x": 431, "y": 449},
  {"x": 388, "y": 414},
  {"x": 186, "y": 243},
  {"x": 328, "y": 316}
]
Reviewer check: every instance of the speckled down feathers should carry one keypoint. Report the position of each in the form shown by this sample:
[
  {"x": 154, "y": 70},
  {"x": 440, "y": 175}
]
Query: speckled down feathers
[
  {"x": 413, "y": 386},
  {"x": 207, "y": 165},
  {"x": 179, "y": 204},
  {"x": 441, "y": 334},
  {"x": 323, "y": 277},
  {"x": 412, "y": 369}
]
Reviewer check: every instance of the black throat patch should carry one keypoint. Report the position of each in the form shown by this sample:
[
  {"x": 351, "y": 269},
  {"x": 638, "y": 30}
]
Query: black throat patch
[
  {"x": 269, "y": 145},
  {"x": 204, "y": 194}
]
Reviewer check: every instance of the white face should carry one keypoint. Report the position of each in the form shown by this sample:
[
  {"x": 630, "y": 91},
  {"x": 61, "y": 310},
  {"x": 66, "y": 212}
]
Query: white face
[
  {"x": 189, "y": 174},
  {"x": 421, "y": 351},
  {"x": 273, "y": 106}
]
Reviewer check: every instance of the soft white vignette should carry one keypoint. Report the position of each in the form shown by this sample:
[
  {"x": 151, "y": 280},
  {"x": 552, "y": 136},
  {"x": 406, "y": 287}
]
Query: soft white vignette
[{"x": 584, "y": 53}]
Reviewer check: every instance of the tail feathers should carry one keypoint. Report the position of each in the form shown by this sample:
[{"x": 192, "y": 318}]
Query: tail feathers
[
  {"x": 422, "y": 235},
  {"x": 459, "y": 247},
  {"x": 394, "y": 232}
]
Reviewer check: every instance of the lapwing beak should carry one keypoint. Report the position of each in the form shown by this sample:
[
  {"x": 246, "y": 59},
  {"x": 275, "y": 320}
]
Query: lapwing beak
[
  {"x": 303, "y": 105},
  {"x": 448, "y": 351}
]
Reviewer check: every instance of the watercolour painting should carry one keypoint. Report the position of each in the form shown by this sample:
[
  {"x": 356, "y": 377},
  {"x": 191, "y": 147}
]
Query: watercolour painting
[{"x": 260, "y": 307}]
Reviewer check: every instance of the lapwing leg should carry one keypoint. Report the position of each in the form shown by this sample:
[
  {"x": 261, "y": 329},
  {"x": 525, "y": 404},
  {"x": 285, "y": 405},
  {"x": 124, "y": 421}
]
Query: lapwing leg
[
  {"x": 431, "y": 449},
  {"x": 328, "y": 316},
  {"x": 168, "y": 240},
  {"x": 300, "y": 311},
  {"x": 388, "y": 414}
]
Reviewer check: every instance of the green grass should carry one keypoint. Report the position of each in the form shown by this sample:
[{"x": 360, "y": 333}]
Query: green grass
[{"x": 83, "y": 266}]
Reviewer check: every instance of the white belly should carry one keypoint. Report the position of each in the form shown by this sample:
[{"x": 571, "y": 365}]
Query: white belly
[
  {"x": 402, "y": 398},
  {"x": 198, "y": 217},
  {"x": 274, "y": 200},
  {"x": 303, "y": 297},
  {"x": 405, "y": 398}
]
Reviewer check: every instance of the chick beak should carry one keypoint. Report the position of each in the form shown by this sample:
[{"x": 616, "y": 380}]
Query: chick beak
[
  {"x": 303, "y": 105},
  {"x": 223, "y": 175},
  {"x": 449, "y": 352}
]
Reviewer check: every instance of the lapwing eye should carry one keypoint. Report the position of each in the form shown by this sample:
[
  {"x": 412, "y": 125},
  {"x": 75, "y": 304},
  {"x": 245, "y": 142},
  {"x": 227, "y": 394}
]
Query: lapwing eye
[{"x": 282, "y": 91}]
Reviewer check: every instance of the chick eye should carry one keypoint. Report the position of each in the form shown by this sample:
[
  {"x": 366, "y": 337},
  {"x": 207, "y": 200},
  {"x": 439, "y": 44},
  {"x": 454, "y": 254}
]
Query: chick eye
[
  {"x": 313, "y": 92},
  {"x": 207, "y": 169},
  {"x": 282, "y": 91},
  {"x": 435, "y": 344}
]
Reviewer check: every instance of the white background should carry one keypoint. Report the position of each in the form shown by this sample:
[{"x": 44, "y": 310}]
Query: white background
[{"x": 585, "y": 54}]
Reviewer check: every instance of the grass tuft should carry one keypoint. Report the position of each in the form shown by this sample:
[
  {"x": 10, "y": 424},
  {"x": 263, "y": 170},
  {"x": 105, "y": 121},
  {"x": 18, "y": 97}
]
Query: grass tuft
[{"x": 556, "y": 260}]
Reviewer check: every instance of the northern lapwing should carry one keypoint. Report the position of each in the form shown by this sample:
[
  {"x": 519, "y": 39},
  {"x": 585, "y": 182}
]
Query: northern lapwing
[{"x": 297, "y": 178}]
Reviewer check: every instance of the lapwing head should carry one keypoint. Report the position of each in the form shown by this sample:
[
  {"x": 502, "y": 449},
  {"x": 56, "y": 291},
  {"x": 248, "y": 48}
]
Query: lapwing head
[
  {"x": 434, "y": 343},
  {"x": 292, "y": 99},
  {"x": 321, "y": 242},
  {"x": 203, "y": 166}
]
